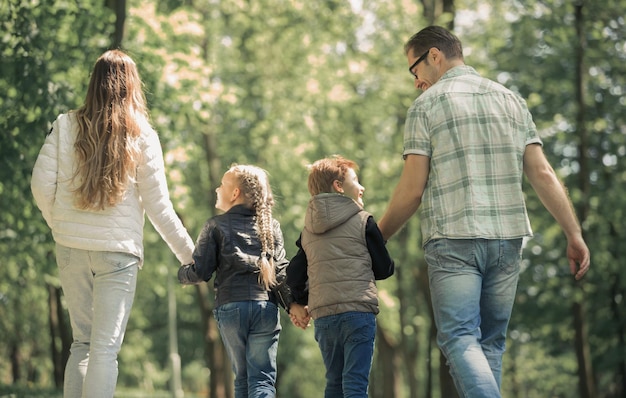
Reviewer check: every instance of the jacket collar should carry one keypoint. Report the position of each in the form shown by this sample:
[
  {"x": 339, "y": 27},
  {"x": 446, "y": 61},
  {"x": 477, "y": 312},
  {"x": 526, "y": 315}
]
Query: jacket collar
[{"x": 241, "y": 209}]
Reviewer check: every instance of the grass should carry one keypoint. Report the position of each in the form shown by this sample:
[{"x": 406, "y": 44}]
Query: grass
[{"x": 26, "y": 392}]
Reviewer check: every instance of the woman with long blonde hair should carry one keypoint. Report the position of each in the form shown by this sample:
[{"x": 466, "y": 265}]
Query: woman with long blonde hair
[
  {"x": 98, "y": 173},
  {"x": 244, "y": 247}
]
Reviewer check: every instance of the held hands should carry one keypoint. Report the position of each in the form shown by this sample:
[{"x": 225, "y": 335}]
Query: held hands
[
  {"x": 187, "y": 276},
  {"x": 299, "y": 315}
]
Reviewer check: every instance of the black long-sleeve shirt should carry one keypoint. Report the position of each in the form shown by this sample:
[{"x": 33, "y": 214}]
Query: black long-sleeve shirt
[{"x": 382, "y": 264}]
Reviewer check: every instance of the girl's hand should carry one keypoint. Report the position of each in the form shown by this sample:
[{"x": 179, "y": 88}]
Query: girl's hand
[{"x": 299, "y": 315}]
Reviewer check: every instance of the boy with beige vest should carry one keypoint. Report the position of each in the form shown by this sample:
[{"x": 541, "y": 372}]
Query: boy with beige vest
[{"x": 341, "y": 254}]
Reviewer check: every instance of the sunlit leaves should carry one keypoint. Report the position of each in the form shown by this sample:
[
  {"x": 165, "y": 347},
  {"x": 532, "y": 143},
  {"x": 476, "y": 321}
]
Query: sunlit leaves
[{"x": 282, "y": 83}]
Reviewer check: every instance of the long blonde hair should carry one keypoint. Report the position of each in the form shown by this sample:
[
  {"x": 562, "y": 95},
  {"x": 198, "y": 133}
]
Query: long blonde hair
[
  {"x": 255, "y": 187},
  {"x": 107, "y": 144}
]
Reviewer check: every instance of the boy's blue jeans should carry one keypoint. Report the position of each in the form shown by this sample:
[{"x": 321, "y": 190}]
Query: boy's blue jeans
[
  {"x": 347, "y": 345},
  {"x": 250, "y": 330},
  {"x": 472, "y": 285}
]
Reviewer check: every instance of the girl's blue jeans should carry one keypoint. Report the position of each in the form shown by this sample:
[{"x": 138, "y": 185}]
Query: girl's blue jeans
[
  {"x": 249, "y": 331},
  {"x": 472, "y": 285},
  {"x": 347, "y": 344}
]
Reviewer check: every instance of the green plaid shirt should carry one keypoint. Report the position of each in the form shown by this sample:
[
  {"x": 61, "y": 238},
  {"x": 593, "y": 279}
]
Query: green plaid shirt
[{"x": 474, "y": 131}]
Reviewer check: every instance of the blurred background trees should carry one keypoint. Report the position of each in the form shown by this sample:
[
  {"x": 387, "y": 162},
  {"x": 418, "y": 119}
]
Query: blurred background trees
[{"x": 280, "y": 84}]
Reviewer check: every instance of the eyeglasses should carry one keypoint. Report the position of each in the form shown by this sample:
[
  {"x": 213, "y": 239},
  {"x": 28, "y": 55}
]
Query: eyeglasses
[{"x": 420, "y": 59}]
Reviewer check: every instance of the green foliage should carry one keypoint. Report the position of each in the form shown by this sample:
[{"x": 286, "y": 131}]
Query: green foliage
[
  {"x": 38, "y": 77},
  {"x": 535, "y": 54},
  {"x": 281, "y": 84}
]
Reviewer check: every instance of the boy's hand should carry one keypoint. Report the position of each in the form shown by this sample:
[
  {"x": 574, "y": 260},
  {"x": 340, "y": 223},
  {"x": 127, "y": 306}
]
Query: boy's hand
[{"x": 299, "y": 315}]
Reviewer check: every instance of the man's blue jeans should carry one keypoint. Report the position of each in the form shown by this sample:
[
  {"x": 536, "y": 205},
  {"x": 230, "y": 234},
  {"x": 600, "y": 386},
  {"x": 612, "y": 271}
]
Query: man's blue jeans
[
  {"x": 472, "y": 285},
  {"x": 250, "y": 330},
  {"x": 347, "y": 345}
]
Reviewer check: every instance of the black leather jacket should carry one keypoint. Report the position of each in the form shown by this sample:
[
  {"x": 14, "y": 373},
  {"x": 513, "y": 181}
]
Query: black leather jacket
[{"x": 228, "y": 246}]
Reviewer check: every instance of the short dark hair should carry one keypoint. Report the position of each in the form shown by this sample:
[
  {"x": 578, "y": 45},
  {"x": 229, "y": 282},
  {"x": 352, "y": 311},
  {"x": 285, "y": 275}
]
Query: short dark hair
[{"x": 435, "y": 36}]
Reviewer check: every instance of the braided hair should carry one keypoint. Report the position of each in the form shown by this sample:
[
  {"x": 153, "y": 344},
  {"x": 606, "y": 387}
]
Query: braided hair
[{"x": 255, "y": 187}]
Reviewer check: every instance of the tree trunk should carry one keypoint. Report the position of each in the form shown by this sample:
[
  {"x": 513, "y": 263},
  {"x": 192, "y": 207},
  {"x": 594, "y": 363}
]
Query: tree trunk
[
  {"x": 409, "y": 348},
  {"x": 220, "y": 380},
  {"x": 431, "y": 10},
  {"x": 446, "y": 384},
  {"x": 618, "y": 315},
  {"x": 448, "y": 389},
  {"x": 16, "y": 362},
  {"x": 434, "y": 9},
  {"x": 448, "y": 7},
  {"x": 119, "y": 7},
  {"x": 585, "y": 376},
  {"x": 58, "y": 365},
  {"x": 65, "y": 328},
  {"x": 176, "y": 387},
  {"x": 60, "y": 332},
  {"x": 585, "y": 372},
  {"x": 387, "y": 366}
]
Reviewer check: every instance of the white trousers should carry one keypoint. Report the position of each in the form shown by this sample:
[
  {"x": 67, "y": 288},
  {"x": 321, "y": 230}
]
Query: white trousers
[{"x": 99, "y": 289}]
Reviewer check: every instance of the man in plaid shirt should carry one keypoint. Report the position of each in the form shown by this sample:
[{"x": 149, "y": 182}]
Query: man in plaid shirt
[{"x": 468, "y": 142}]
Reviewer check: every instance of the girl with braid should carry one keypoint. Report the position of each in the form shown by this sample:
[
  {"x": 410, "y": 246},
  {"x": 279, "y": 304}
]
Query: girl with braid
[{"x": 244, "y": 247}]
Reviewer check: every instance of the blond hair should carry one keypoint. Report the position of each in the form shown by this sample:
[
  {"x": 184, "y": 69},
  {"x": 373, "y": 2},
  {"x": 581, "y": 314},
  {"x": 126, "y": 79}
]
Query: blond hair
[
  {"x": 107, "y": 144},
  {"x": 255, "y": 188}
]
